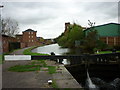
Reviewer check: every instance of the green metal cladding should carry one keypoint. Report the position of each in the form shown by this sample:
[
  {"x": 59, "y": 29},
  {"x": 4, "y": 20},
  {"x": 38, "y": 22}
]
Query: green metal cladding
[{"x": 110, "y": 30}]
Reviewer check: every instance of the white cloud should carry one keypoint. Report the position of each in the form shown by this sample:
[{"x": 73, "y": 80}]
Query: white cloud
[{"x": 48, "y": 18}]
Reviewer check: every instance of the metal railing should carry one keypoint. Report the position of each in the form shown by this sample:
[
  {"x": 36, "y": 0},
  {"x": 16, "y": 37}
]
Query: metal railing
[{"x": 82, "y": 59}]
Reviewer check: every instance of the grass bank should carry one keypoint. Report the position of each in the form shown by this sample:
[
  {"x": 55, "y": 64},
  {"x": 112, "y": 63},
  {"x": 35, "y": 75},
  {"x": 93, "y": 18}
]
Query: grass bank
[
  {"x": 54, "y": 85},
  {"x": 1, "y": 59},
  {"x": 105, "y": 52},
  {"x": 28, "y": 51},
  {"x": 37, "y": 65}
]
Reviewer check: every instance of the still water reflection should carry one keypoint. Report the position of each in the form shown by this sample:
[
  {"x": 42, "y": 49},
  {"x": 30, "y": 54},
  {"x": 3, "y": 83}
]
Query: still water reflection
[{"x": 53, "y": 48}]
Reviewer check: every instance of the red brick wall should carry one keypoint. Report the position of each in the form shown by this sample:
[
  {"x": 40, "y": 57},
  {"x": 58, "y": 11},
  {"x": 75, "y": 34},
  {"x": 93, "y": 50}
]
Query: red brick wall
[
  {"x": 19, "y": 38},
  {"x": 1, "y": 51},
  {"x": 118, "y": 41},
  {"x": 5, "y": 45},
  {"x": 103, "y": 39},
  {"x": 22, "y": 45},
  {"x": 112, "y": 41},
  {"x": 5, "y": 42},
  {"x": 30, "y": 39}
]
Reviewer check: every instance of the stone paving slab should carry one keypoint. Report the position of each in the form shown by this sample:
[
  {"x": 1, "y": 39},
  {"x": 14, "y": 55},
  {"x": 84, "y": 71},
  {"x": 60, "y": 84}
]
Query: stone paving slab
[
  {"x": 65, "y": 83},
  {"x": 0, "y": 76},
  {"x": 65, "y": 80},
  {"x": 36, "y": 79},
  {"x": 23, "y": 79}
]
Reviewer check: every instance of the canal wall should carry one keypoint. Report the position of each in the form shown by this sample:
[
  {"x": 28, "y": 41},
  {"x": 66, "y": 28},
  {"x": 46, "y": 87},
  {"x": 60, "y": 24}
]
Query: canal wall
[
  {"x": 64, "y": 79},
  {"x": 106, "y": 72}
]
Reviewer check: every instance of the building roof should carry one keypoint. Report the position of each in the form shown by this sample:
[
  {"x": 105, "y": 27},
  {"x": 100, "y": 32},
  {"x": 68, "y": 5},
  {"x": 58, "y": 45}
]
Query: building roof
[
  {"x": 19, "y": 35},
  {"x": 110, "y": 29},
  {"x": 29, "y": 30},
  {"x": 3, "y": 35}
]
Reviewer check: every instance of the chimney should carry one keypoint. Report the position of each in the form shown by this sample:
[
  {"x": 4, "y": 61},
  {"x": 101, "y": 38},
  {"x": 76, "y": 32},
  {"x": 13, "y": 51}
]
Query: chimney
[{"x": 67, "y": 25}]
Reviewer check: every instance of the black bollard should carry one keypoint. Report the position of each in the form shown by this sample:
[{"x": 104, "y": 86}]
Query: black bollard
[{"x": 53, "y": 54}]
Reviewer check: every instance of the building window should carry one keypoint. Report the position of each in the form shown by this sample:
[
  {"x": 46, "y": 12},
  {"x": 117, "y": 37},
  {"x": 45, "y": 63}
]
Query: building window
[
  {"x": 32, "y": 36},
  {"x": 29, "y": 36},
  {"x": 32, "y": 40},
  {"x": 31, "y": 32}
]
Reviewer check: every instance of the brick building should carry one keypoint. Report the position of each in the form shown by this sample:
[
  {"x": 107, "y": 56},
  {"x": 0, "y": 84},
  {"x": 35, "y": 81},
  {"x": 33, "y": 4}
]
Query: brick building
[
  {"x": 28, "y": 38},
  {"x": 6, "y": 40},
  {"x": 108, "y": 33},
  {"x": 67, "y": 25},
  {"x": 1, "y": 44},
  {"x": 19, "y": 37}
]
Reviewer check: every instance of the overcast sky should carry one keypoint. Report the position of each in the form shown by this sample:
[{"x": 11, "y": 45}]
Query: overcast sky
[{"x": 48, "y": 18}]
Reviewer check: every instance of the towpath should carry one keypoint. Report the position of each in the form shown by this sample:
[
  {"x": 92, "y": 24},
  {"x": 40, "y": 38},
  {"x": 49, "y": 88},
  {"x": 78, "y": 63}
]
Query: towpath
[
  {"x": 19, "y": 51},
  {"x": 35, "y": 79}
]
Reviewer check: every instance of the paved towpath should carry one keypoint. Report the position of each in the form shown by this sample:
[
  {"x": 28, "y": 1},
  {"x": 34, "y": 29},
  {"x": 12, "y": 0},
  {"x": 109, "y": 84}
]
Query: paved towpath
[
  {"x": 23, "y": 79},
  {"x": 35, "y": 79},
  {"x": 19, "y": 51}
]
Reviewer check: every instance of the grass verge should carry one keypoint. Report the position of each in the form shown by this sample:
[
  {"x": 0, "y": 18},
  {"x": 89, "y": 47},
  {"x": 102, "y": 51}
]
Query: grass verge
[
  {"x": 33, "y": 66},
  {"x": 24, "y": 68},
  {"x": 28, "y": 51},
  {"x": 1, "y": 59},
  {"x": 105, "y": 52},
  {"x": 51, "y": 69},
  {"x": 2, "y": 56},
  {"x": 54, "y": 84}
]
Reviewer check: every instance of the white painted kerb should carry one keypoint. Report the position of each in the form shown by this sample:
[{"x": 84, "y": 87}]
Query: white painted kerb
[{"x": 17, "y": 57}]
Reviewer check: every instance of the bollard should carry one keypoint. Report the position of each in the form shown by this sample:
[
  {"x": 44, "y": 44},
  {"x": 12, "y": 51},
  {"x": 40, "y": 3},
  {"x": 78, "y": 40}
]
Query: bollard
[
  {"x": 49, "y": 81},
  {"x": 53, "y": 54}
]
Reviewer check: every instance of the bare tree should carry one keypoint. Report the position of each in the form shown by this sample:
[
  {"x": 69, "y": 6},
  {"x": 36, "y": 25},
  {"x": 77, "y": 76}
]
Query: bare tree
[
  {"x": 9, "y": 27},
  {"x": 91, "y": 24}
]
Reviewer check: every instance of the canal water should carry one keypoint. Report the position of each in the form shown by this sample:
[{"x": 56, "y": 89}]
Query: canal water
[
  {"x": 58, "y": 51},
  {"x": 103, "y": 77},
  {"x": 53, "y": 48}
]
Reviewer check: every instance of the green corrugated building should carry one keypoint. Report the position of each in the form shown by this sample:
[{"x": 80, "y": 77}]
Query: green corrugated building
[{"x": 109, "y": 33}]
